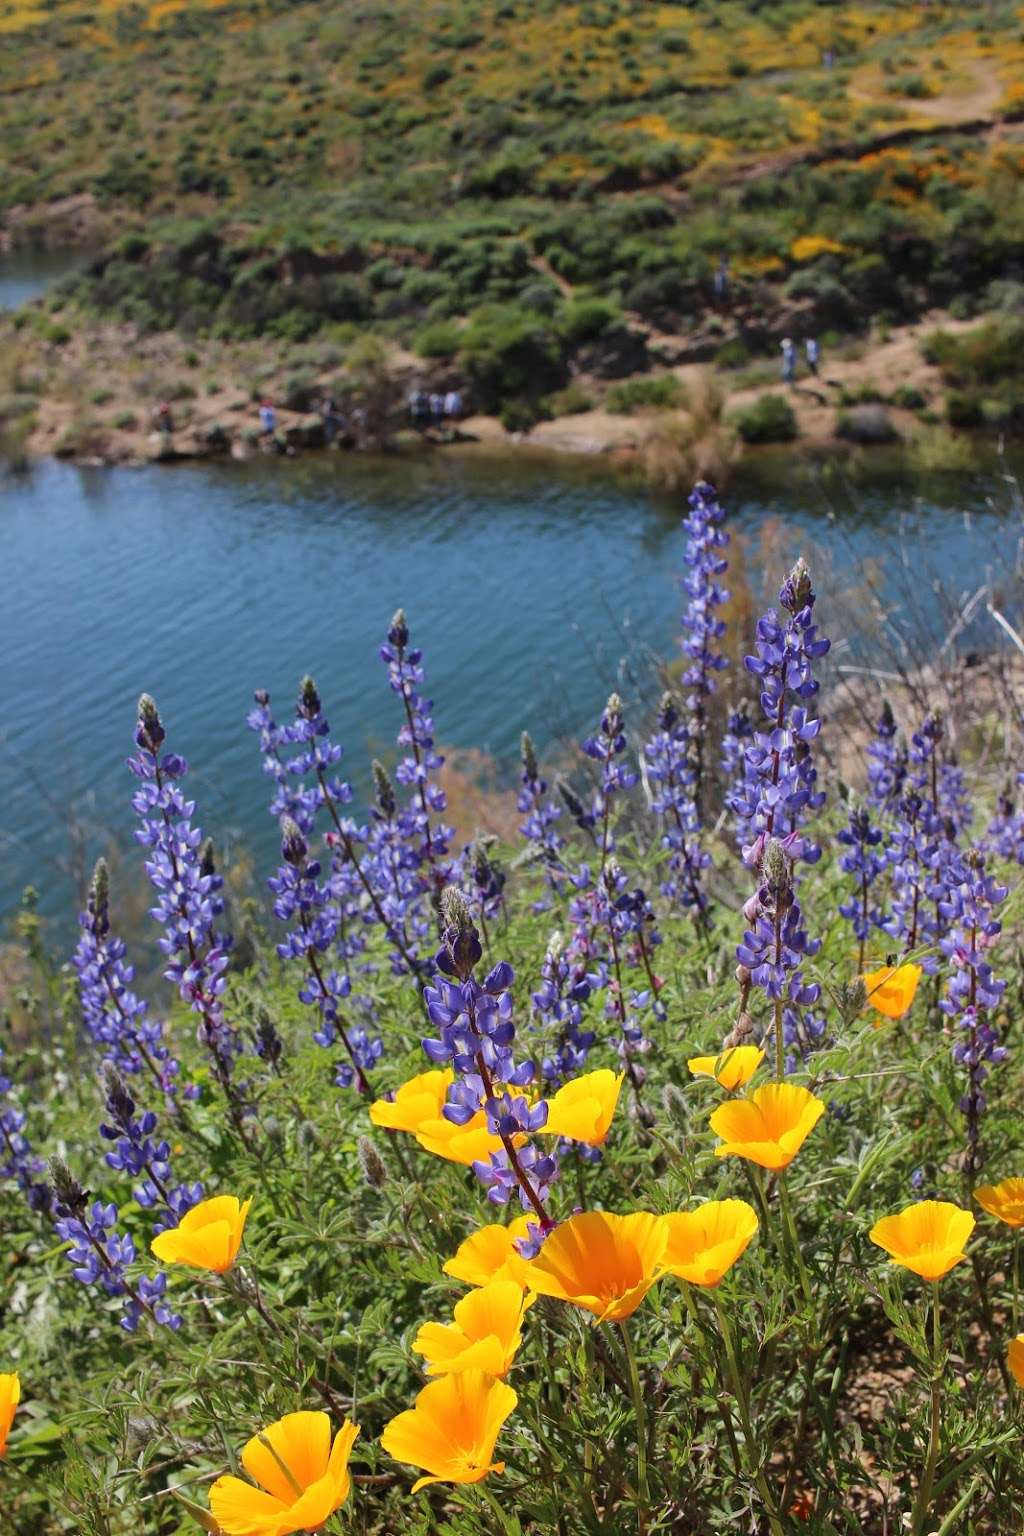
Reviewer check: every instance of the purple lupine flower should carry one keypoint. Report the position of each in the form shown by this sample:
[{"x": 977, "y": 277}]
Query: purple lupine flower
[
  {"x": 17, "y": 1160},
  {"x": 908, "y": 855},
  {"x": 289, "y": 799},
  {"x": 137, "y": 1153},
  {"x": 608, "y": 747},
  {"x": 780, "y": 791},
  {"x": 100, "y": 1254},
  {"x": 427, "y": 838},
  {"x": 865, "y": 863},
  {"x": 486, "y": 881},
  {"x": 303, "y": 900},
  {"x": 476, "y": 1034},
  {"x": 736, "y": 771},
  {"x": 1004, "y": 835},
  {"x": 558, "y": 1005},
  {"x": 188, "y": 896},
  {"x": 774, "y": 947},
  {"x": 888, "y": 764},
  {"x": 702, "y": 628},
  {"x": 669, "y": 769},
  {"x": 973, "y": 991},
  {"x": 392, "y": 870},
  {"x": 116, "y": 1018},
  {"x": 541, "y": 813}
]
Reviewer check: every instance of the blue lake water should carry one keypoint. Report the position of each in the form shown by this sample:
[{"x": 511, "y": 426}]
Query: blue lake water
[
  {"x": 28, "y": 274},
  {"x": 526, "y": 583}
]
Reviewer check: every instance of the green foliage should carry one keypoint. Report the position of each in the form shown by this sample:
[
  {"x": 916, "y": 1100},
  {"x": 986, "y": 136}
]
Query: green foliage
[
  {"x": 771, "y": 419},
  {"x": 439, "y": 339},
  {"x": 659, "y": 393},
  {"x": 510, "y": 354}
]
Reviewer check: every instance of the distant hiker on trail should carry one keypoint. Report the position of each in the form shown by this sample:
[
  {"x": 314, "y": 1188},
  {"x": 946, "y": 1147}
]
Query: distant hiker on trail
[
  {"x": 720, "y": 281},
  {"x": 268, "y": 418},
  {"x": 163, "y": 420},
  {"x": 437, "y": 409},
  {"x": 811, "y": 351},
  {"x": 419, "y": 408},
  {"x": 453, "y": 404},
  {"x": 788, "y": 361}
]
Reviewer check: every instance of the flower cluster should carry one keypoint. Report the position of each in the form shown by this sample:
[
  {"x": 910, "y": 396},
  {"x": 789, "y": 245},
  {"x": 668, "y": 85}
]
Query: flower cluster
[
  {"x": 973, "y": 991},
  {"x": 865, "y": 863},
  {"x": 541, "y": 813},
  {"x": 100, "y": 1254},
  {"x": 673, "y": 776},
  {"x": 135, "y": 1152},
  {"x": 476, "y": 1033},
  {"x": 17, "y": 1160},
  {"x": 780, "y": 791},
  {"x": 702, "y": 628},
  {"x": 558, "y": 1003},
  {"x": 775, "y": 946},
  {"x": 1004, "y": 835},
  {"x": 116, "y": 1018},
  {"x": 305, "y": 901},
  {"x": 188, "y": 893},
  {"x": 427, "y": 839},
  {"x": 888, "y": 764}
]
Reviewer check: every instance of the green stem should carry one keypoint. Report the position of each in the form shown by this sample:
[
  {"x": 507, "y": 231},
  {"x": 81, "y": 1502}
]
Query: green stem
[
  {"x": 1016, "y": 1282},
  {"x": 640, "y": 1414},
  {"x": 743, "y": 1404},
  {"x": 780, "y": 1058},
  {"x": 924, "y": 1492},
  {"x": 793, "y": 1240}
]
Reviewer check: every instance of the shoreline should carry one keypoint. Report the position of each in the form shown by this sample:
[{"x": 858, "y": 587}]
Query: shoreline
[{"x": 96, "y": 390}]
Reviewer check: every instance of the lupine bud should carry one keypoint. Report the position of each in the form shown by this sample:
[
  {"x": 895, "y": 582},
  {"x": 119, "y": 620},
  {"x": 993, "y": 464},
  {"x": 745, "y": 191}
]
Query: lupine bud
[
  {"x": 207, "y": 860},
  {"x": 673, "y": 1101},
  {"x": 398, "y": 630},
  {"x": 383, "y": 790},
  {"x": 309, "y": 705},
  {"x": 371, "y": 1163},
  {"x": 67, "y": 1192},
  {"x": 149, "y": 732},
  {"x": 797, "y": 593},
  {"x": 776, "y": 870},
  {"x": 528, "y": 755},
  {"x": 294, "y": 847}
]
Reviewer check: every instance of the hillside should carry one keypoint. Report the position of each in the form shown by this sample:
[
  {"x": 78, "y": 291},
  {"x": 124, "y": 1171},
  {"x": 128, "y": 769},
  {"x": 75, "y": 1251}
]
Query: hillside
[{"x": 510, "y": 184}]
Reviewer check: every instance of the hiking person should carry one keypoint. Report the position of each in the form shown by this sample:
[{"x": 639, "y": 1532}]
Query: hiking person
[
  {"x": 720, "y": 281},
  {"x": 268, "y": 418},
  {"x": 453, "y": 404},
  {"x": 788, "y": 361}
]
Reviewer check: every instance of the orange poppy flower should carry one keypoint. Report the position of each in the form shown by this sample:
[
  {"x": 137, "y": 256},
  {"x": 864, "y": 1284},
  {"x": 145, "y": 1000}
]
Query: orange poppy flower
[
  {"x": 465, "y": 1144},
  {"x": 452, "y": 1430},
  {"x": 702, "y": 1245},
  {"x": 733, "y": 1068},
  {"x": 1004, "y": 1201},
  {"x": 928, "y": 1237},
  {"x": 207, "y": 1237},
  {"x": 1015, "y": 1359},
  {"x": 891, "y": 990},
  {"x": 421, "y": 1098},
  {"x": 601, "y": 1262},
  {"x": 10, "y": 1397},
  {"x": 491, "y": 1254},
  {"x": 769, "y": 1127},
  {"x": 486, "y": 1333},
  {"x": 583, "y": 1108},
  {"x": 302, "y": 1478}
]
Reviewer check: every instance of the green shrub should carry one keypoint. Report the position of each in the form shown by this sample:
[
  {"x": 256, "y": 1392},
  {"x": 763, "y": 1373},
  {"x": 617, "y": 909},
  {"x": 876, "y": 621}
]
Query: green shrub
[
  {"x": 964, "y": 409},
  {"x": 586, "y": 319},
  {"x": 657, "y": 393},
  {"x": 439, "y": 339},
  {"x": 771, "y": 419},
  {"x": 511, "y": 354},
  {"x": 570, "y": 401}
]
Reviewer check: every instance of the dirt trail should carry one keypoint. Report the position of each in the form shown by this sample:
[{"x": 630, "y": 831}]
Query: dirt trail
[{"x": 976, "y": 92}]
